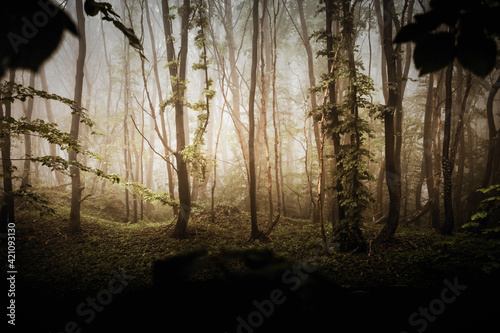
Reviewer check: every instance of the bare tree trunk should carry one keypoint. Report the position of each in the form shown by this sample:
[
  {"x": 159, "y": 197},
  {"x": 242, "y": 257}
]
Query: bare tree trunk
[
  {"x": 492, "y": 134},
  {"x": 235, "y": 85},
  {"x": 383, "y": 67},
  {"x": 76, "y": 187},
  {"x": 251, "y": 127},
  {"x": 312, "y": 79},
  {"x": 25, "y": 182},
  {"x": 264, "y": 98},
  {"x": 214, "y": 184},
  {"x": 108, "y": 107},
  {"x": 380, "y": 191},
  {"x": 418, "y": 192},
  {"x": 447, "y": 227},
  {"x": 275, "y": 125},
  {"x": 166, "y": 136},
  {"x": 393, "y": 172},
  {"x": 127, "y": 160},
  {"x": 430, "y": 127},
  {"x": 50, "y": 118},
  {"x": 458, "y": 146}
]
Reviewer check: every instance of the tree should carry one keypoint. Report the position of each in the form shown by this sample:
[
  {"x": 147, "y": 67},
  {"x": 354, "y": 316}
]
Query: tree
[
  {"x": 431, "y": 139},
  {"x": 162, "y": 134},
  {"x": 177, "y": 70},
  {"x": 304, "y": 35},
  {"x": 7, "y": 212},
  {"x": 490, "y": 174},
  {"x": 392, "y": 171},
  {"x": 50, "y": 118},
  {"x": 251, "y": 127},
  {"x": 25, "y": 182},
  {"x": 469, "y": 37},
  {"x": 76, "y": 185}
]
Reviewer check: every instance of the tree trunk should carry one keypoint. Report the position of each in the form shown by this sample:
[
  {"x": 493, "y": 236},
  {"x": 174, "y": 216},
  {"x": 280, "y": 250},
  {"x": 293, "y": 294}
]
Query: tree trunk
[
  {"x": 127, "y": 160},
  {"x": 251, "y": 127},
  {"x": 178, "y": 81},
  {"x": 7, "y": 212},
  {"x": 264, "y": 44},
  {"x": 162, "y": 120},
  {"x": 25, "y": 182},
  {"x": 275, "y": 124},
  {"x": 332, "y": 89},
  {"x": 76, "y": 186},
  {"x": 458, "y": 146},
  {"x": 50, "y": 118},
  {"x": 235, "y": 84},
  {"x": 312, "y": 79},
  {"x": 492, "y": 134},
  {"x": 447, "y": 227},
  {"x": 393, "y": 175},
  {"x": 429, "y": 145}
]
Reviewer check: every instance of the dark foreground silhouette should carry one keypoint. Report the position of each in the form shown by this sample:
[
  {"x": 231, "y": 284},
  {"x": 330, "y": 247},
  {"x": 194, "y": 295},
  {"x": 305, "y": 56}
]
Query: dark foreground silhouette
[{"x": 263, "y": 294}]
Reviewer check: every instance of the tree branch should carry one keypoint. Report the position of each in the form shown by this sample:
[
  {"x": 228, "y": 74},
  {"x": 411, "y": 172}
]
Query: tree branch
[{"x": 151, "y": 146}]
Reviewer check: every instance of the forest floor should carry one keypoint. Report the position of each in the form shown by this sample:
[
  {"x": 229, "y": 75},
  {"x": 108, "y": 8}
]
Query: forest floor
[{"x": 60, "y": 271}]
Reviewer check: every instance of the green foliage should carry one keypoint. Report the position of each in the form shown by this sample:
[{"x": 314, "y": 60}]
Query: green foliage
[
  {"x": 149, "y": 195},
  {"x": 11, "y": 91},
  {"x": 486, "y": 221},
  {"x": 194, "y": 152},
  {"x": 473, "y": 27},
  {"x": 351, "y": 172},
  {"x": 38, "y": 201}
]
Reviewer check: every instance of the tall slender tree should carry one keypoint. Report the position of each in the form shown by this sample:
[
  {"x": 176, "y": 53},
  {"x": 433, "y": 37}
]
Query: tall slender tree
[
  {"x": 76, "y": 185},
  {"x": 392, "y": 171},
  {"x": 7, "y": 212},
  {"x": 177, "y": 70},
  {"x": 251, "y": 127},
  {"x": 27, "y": 139}
]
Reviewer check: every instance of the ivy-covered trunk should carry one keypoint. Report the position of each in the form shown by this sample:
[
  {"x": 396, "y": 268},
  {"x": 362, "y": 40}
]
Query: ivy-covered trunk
[
  {"x": 7, "y": 213},
  {"x": 178, "y": 83},
  {"x": 351, "y": 169}
]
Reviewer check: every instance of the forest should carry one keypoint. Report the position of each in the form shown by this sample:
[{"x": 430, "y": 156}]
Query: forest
[{"x": 250, "y": 166}]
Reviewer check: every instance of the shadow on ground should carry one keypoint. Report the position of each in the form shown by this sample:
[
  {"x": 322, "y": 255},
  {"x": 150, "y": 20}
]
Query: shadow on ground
[{"x": 197, "y": 292}]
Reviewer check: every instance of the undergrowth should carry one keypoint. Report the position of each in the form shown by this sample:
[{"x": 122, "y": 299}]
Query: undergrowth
[{"x": 48, "y": 256}]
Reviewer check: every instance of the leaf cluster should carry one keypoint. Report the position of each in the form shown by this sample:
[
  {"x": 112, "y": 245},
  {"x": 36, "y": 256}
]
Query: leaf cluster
[
  {"x": 463, "y": 29},
  {"x": 486, "y": 220},
  {"x": 150, "y": 195},
  {"x": 11, "y": 91}
]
